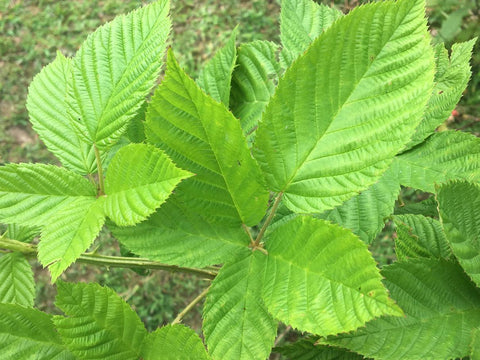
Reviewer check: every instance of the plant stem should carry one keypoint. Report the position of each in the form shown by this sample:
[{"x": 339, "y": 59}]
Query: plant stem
[
  {"x": 247, "y": 230},
  {"x": 110, "y": 261},
  {"x": 99, "y": 170},
  {"x": 277, "y": 201},
  {"x": 190, "y": 306}
]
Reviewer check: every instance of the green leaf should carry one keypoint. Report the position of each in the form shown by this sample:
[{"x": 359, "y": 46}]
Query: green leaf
[
  {"x": 30, "y": 194},
  {"x": 475, "y": 345},
  {"x": 420, "y": 237},
  {"x": 174, "y": 235},
  {"x": 447, "y": 155},
  {"x": 301, "y": 22},
  {"x": 27, "y": 333},
  {"x": 345, "y": 108},
  {"x": 22, "y": 233},
  {"x": 114, "y": 71},
  {"x": 451, "y": 79},
  {"x": 236, "y": 322},
  {"x": 139, "y": 179},
  {"x": 99, "y": 324},
  {"x": 321, "y": 278},
  {"x": 365, "y": 213},
  {"x": 48, "y": 114},
  {"x": 441, "y": 305},
  {"x": 305, "y": 349},
  {"x": 216, "y": 76},
  {"x": 253, "y": 83},
  {"x": 459, "y": 204},
  {"x": 202, "y": 136},
  {"x": 17, "y": 285},
  {"x": 69, "y": 233},
  {"x": 173, "y": 342},
  {"x": 427, "y": 207}
]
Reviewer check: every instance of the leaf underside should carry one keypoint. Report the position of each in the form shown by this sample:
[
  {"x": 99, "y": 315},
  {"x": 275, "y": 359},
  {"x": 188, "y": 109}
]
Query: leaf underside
[{"x": 17, "y": 284}]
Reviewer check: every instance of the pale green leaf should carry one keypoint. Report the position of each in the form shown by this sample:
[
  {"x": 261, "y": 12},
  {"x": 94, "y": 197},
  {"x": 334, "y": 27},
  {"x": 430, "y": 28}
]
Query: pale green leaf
[
  {"x": 22, "y": 233},
  {"x": 27, "y": 334},
  {"x": 202, "y": 136},
  {"x": 139, "y": 179},
  {"x": 475, "y": 345},
  {"x": 253, "y": 83},
  {"x": 446, "y": 155},
  {"x": 321, "y": 278},
  {"x": 459, "y": 205},
  {"x": 450, "y": 81},
  {"x": 306, "y": 349},
  {"x": 442, "y": 307},
  {"x": 365, "y": 213},
  {"x": 236, "y": 322},
  {"x": 345, "y": 108},
  {"x": 301, "y": 22},
  {"x": 174, "y": 235},
  {"x": 174, "y": 342},
  {"x": 113, "y": 72},
  {"x": 17, "y": 285},
  {"x": 30, "y": 194},
  {"x": 69, "y": 233},
  {"x": 98, "y": 323},
  {"x": 420, "y": 236},
  {"x": 215, "y": 78},
  {"x": 48, "y": 114}
]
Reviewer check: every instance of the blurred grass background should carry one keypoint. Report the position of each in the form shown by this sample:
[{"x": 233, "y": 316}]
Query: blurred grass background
[{"x": 31, "y": 32}]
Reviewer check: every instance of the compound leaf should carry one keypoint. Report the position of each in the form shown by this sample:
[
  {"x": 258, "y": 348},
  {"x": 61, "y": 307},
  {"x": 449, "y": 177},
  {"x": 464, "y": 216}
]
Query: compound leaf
[
  {"x": 447, "y": 155},
  {"x": 459, "y": 204},
  {"x": 113, "y": 72},
  {"x": 139, "y": 179},
  {"x": 30, "y": 194},
  {"x": 215, "y": 78},
  {"x": 17, "y": 285},
  {"x": 48, "y": 115},
  {"x": 321, "y": 278},
  {"x": 202, "y": 136},
  {"x": 27, "y": 333},
  {"x": 253, "y": 83},
  {"x": 69, "y": 233},
  {"x": 173, "y": 342},
  {"x": 174, "y": 235},
  {"x": 441, "y": 305},
  {"x": 236, "y": 322},
  {"x": 345, "y": 108},
  {"x": 420, "y": 237},
  {"x": 98, "y": 323}
]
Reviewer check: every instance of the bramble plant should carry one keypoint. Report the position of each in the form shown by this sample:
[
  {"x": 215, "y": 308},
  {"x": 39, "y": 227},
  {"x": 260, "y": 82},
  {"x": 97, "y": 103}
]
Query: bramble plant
[{"x": 269, "y": 175}]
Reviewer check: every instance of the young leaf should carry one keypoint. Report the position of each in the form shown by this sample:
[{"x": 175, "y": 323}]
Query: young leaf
[
  {"x": 69, "y": 233},
  {"x": 139, "y": 179},
  {"x": 441, "y": 306},
  {"x": 114, "y": 71},
  {"x": 202, "y": 136},
  {"x": 27, "y": 333},
  {"x": 305, "y": 349},
  {"x": 365, "y": 213},
  {"x": 174, "y": 235},
  {"x": 447, "y": 155},
  {"x": 253, "y": 83},
  {"x": 345, "y": 108},
  {"x": 17, "y": 285},
  {"x": 321, "y": 278},
  {"x": 173, "y": 342},
  {"x": 451, "y": 79},
  {"x": 30, "y": 194},
  {"x": 301, "y": 22},
  {"x": 99, "y": 324},
  {"x": 459, "y": 204},
  {"x": 216, "y": 76},
  {"x": 236, "y": 322},
  {"x": 48, "y": 114},
  {"x": 420, "y": 237}
]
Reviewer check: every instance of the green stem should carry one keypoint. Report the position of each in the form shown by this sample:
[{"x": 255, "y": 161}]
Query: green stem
[
  {"x": 190, "y": 306},
  {"x": 277, "y": 201},
  {"x": 247, "y": 230},
  {"x": 30, "y": 250},
  {"x": 100, "y": 171}
]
